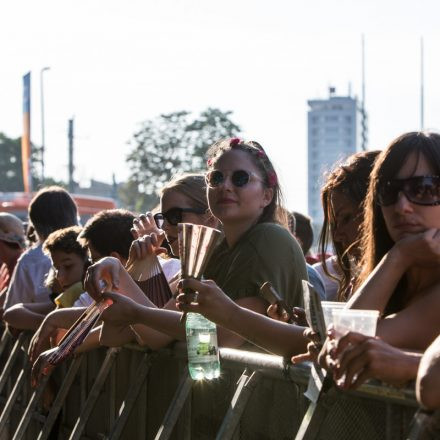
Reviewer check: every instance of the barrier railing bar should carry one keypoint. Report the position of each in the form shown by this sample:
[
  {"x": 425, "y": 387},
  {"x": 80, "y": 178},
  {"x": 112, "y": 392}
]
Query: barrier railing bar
[
  {"x": 245, "y": 387},
  {"x": 60, "y": 398},
  {"x": 4, "y": 418},
  {"x": 130, "y": 397},
  {"x": 175, "y": 407},
  {"x": 27, "y": 415},
  {"x": 11, "y": 360},
  {"x": 94, "y": 393},
  {"x": 6, "y": 337}
]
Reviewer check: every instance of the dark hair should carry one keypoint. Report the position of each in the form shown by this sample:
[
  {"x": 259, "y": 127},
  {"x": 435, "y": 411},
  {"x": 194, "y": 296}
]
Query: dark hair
[
  {"x": 109, "y": 231},
  {"x": 274, "y": 211},
  {"x": 351, "y": 179},
  {"x": 304, "y": 231},
  {"x": 51, "y": 209},
  {"x": 65, "y": 240},
  {"x": 376, "y": 241}
]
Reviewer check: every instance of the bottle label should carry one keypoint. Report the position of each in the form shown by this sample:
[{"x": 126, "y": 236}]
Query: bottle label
[{"x": 202, "y": 347}]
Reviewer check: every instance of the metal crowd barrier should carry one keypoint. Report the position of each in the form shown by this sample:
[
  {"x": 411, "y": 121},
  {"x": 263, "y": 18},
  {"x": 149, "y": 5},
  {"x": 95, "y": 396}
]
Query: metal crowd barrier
[{"x": 130, "y": 393}]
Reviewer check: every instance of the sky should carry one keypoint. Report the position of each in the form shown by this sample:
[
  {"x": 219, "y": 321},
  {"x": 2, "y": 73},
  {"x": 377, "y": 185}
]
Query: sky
[{"x": 116, "y": 63}]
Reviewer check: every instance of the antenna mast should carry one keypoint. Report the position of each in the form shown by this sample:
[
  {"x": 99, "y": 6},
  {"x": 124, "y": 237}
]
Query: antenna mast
[
  {"x": 364, "y": 134},
  {"x": 422, "y": 91}
]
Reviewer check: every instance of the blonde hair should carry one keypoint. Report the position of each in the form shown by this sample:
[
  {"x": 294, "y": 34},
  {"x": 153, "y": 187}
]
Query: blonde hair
[{"x": 192, "y": 186}]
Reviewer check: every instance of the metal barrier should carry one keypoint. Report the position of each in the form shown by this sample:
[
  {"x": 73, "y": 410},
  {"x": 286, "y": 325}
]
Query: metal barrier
[{"x": 130, "y": 393}]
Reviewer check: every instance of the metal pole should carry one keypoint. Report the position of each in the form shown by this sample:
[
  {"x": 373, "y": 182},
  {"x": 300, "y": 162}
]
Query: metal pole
[
  {"x": 70, "y": 136},
  {"x": 43, "y": 143},
  {"x": 422, "y": 91}
]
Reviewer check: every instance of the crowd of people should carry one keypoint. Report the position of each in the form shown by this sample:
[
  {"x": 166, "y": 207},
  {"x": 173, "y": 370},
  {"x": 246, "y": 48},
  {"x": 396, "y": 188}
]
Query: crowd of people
[{"x": 379, "y": 249}]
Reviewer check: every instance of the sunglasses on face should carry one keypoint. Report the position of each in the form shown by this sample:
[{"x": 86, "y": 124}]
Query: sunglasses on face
[
  {"x": 239, "y": 178},
  {"x": 420, "y": 190},
  {"x": 174, "y": 215}
]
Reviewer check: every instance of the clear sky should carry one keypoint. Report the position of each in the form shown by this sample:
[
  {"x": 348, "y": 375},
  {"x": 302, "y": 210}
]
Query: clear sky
[{"x": 116, "y": 63}]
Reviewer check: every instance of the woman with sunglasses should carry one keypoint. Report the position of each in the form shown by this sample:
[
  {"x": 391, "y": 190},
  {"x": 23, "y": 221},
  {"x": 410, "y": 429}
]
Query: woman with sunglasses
[
  {"x": 244, "y": 195},
  {"x": 401, "y": 261}
]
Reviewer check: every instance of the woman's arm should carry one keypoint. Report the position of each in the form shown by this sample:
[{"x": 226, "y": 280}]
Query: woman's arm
[
  {"x": 245, "y": 318},
  {"x": 414, "y": 327},
  {"x": 428, "y": 377},
  {"x": 416, "y": 250}
]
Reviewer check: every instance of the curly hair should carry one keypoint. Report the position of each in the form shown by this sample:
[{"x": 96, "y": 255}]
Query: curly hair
[{"x": 65, "y": 240}]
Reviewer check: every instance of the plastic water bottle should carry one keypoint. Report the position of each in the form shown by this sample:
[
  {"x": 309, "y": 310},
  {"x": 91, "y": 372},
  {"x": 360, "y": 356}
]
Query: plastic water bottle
[{"x": 201, "y": 340}]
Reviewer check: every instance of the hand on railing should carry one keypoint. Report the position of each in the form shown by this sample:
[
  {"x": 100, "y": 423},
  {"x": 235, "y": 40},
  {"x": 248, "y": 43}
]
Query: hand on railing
[
  {"x": 42, "y": 366},
  {"x": 41, "y": 339},
  {"x": 359, "y": 358}
]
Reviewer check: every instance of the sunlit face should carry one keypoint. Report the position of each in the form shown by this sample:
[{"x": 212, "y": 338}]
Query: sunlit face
[
  {"x": 232, "y": 204},
  {"x": 404, "y": 218},
  {"x": 175, "y": 199},
  {"x": 348, "y": 219},
  {"x": 69, "y": 268}
]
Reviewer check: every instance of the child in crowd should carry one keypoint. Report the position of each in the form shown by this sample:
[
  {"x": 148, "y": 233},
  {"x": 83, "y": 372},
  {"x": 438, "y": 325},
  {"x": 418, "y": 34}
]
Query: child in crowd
[
  {"x": 28, "y": 299},
  {"x": 106, "y": 233}
]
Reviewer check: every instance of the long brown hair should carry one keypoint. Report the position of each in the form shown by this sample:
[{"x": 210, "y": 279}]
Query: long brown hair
[
  {"x": 376, "y": 241},
  {"x": 350, "y": 179}
]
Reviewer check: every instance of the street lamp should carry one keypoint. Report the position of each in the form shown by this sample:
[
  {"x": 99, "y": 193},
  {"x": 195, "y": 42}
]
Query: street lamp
[{"x": 44, "y": 69}]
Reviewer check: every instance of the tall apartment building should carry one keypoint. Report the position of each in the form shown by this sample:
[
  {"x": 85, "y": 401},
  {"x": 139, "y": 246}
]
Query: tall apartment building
[{"x": 334, "y": 132}]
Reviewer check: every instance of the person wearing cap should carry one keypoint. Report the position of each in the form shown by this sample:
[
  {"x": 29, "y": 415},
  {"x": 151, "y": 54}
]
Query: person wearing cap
[{"x": 12, "y": 244}]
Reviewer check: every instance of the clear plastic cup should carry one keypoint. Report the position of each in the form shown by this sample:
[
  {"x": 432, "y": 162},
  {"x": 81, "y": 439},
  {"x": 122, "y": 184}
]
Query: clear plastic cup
[
  {"x": 355, "y": 320},
  {"x": 327, "y": 310}
]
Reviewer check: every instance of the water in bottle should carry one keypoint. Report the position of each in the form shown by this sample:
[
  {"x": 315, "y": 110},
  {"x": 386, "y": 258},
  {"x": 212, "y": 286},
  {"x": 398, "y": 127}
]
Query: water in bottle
[{"x": 201, "y": 339}]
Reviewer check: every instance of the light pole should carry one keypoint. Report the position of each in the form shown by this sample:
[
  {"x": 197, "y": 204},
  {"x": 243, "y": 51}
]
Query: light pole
[{"x": 44, "y": 69}]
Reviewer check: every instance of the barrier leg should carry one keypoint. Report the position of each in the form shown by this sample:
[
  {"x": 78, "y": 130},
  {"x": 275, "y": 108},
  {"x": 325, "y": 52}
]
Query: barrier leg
[
  {"x": 131, "y": 397},
  {"x": 26, "y": 418},
  {"x": 11, "y": 360},
  {"x": 94, "y": 393},
  {"x": 316, "y": 412},
  {"x": 245, "y": 387},
  {"x": 4, "y": 418},
  {"x": 424, "y": 426},
  {"x": 175, "y": 408},
  {"x": 61, "y": 396},
  {"x": 6, "y": 337}
]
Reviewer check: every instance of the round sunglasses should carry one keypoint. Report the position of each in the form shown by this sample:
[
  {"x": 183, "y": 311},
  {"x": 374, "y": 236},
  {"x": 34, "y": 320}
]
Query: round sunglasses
[
  {"x": 174, "y": 215},
  {"x": 420, "y": 190},
  {"x": 239, "y": 178}
]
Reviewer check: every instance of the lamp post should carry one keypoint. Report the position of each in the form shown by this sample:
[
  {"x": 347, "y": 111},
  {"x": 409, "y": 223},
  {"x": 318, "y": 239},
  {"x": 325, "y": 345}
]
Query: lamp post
[{"x": 44, "y": 69}]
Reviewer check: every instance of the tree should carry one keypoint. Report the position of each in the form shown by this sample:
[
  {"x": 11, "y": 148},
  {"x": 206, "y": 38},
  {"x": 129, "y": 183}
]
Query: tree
[
  {"x": 11, "y": 166},
  {"x": 167, "y": 145}
]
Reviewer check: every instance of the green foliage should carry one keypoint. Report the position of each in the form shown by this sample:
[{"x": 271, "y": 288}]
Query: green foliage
[
  {"x": 167, "y": 145},
  {"x": 11, "y": 166}
]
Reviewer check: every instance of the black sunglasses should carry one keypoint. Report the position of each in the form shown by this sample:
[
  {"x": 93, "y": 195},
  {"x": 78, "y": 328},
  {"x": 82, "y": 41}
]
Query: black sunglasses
[
  {"x": 420, "y": 190},
  {"x": 239, "y": 178},
  {"x": 174, "y": 215}
]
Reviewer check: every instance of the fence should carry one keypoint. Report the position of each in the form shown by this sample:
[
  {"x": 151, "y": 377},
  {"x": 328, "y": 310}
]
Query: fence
[{"x": 130, "y": 393}]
